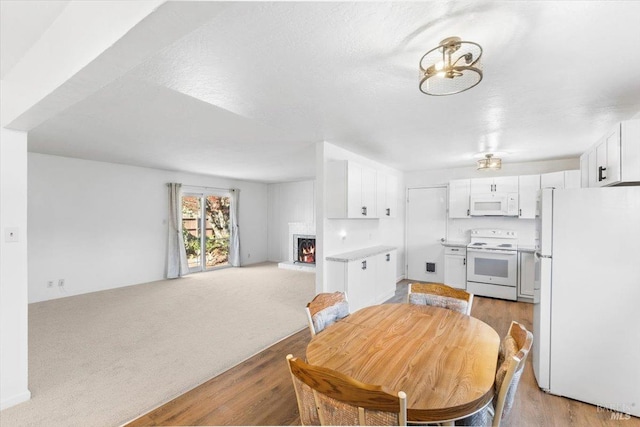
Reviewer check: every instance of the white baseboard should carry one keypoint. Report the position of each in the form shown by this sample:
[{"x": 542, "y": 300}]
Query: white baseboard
[
  {"x": 14, "y": 400},
  {"x": 297, "y": 266},
  {"x": 400, "y": 278}
]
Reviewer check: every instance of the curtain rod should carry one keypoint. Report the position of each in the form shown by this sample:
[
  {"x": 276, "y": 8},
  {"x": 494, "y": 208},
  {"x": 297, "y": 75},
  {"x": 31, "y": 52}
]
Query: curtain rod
[{"x": 210, "y": 188}]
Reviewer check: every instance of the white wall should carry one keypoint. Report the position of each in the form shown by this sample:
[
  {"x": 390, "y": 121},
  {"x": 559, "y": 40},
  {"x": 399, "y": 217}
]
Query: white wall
[
  {"x": 360, "y": 233},
  {"x": 458, "y": 229},
  {"x": 288, "y": 202},
  {"x": 13, "y": 269},
  {"x": 102, "y": 225}
]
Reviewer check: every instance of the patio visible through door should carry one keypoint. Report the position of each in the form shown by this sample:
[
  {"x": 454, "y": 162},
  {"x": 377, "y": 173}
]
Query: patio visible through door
[{"x": 206, "y": 230}]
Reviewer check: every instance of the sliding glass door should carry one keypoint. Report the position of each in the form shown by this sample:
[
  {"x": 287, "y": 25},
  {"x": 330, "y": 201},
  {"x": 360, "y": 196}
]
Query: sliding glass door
[{"x": 206, "y": 230}]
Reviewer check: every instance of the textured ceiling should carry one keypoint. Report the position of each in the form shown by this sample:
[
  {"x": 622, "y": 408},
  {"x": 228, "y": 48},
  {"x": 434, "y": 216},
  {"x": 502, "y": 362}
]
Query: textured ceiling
[{"x": 248, "y": 94}]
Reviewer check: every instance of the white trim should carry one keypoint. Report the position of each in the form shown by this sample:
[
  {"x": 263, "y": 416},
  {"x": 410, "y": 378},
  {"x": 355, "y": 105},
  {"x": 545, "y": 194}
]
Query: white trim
[{"x": 14, "y": 400}]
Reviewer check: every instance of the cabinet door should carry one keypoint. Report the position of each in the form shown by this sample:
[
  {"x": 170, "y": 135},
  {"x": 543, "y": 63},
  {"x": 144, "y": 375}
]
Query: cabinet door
[
  {"x": 612, "y": 141},
  {"x": 572, "y": 179},
  {"x": 368, "y": 181},
  {"x": 528, "y": 186},
  {"x": 361, "y": 283},
  {"x": 355, "y": 207},
  {"x": 527, "y": 274},
  {"x": 584, "y": 170},
  {"x": 505, "y": 184},
  {"x": 481, "y": 185},
  {"x": 459, "y": 191},
  {"x": 387, "y": 195},
  {"x": 593, "y": 168},
  {"x": 361, "y": 191},
  {"x": 601, "y": 164},
  {"x": 386, "y": 276},
  {"x": 552, "y": 180},
  {"x": 455, "y": 270}
]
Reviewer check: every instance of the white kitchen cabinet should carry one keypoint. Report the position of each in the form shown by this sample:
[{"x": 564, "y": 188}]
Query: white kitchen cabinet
[
  {"x": 593, "y": 165},
  {"x": 459, "y": 192},
  {"x": 387, "y": 195},
  {"x": 572, "y": 179},
  {"x": 615, "y": 158},
  {"x": 367, "y": 276},
  {"x": 552, "y": 180},
  {"x": 501, "y": 184},
  {"x": 561, "y": 180},
  {"x": 386, "y": 264},
  {"x": 455, "y": 267},
  {"x": 526, "y": 276},
  {"x": 361, "y": 283},
  {"x": 528, "y": 186},
  {"x": 601, "y": 163},
  {"x": 351, "y": 190},
  {"x": 584, "y": 170}
]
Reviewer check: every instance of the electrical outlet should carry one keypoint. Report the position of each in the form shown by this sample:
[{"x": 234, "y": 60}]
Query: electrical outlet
[
  {"x": 61, "y": 282},
  {"x": 50, "y": 284}
]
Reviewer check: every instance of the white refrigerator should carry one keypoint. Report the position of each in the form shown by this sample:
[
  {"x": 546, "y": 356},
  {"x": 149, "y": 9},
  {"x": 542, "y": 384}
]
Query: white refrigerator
[{"x": 586, "y": 311}]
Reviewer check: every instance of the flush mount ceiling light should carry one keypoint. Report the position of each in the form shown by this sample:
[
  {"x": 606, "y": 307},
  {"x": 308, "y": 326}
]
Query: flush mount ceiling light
[
  {"x": 489, "y": 162},
  {"x": 452, "y": 67}
]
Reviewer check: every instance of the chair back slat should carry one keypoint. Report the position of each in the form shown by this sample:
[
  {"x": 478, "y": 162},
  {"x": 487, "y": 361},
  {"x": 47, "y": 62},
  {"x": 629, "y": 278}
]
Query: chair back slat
[
  {"x": 440, "y": 295},
  {"x": 341, "y": 400},
  {"x": 324, "y": 300},
  {"x": 326, "y": 309},
  {"x": 513, "y": 363}
]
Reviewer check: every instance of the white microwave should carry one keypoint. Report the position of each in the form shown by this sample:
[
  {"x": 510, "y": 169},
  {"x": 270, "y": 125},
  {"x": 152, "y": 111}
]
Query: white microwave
[{"x": 494, "y": 204}]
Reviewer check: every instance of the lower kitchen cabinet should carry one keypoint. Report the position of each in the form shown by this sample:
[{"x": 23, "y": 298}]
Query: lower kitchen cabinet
[
  {"x": 526, "y": 274},
  {"x": 367, "y": 276},
  {"x": 455, "y": 267}
]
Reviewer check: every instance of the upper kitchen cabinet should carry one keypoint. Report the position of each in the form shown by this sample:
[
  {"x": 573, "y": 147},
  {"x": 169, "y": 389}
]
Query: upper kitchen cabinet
[
  {"x": 528, "y": 186},
  {"x": 459, "y": 192},
  {"x": 351, "y": 190},
  {"x": 561, "y": 180},
  {"x": 502, "y": 184},
  {"x": 615, "y": 159},
  {"x": 584, "y": 170},
  {"x": 387, "y": 195}
]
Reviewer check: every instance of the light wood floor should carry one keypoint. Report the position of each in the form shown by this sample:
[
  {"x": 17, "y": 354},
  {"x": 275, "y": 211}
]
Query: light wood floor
[{"x": 259, "y": 390}]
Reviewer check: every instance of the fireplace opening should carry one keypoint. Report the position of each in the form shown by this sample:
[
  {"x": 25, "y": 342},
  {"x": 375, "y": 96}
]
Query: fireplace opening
[{"x": 304, "y": 249}]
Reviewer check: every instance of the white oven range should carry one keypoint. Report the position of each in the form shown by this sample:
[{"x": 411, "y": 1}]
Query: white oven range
[{"x": 492, "y": 263}]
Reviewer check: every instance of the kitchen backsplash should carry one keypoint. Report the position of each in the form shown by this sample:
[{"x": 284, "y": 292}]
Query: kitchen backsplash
[{"x": 458, "y": 229}]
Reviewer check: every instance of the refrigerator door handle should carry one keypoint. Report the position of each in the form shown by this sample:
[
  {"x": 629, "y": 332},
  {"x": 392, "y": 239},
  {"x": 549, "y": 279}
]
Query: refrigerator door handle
[{"x": 539, "y": 255}]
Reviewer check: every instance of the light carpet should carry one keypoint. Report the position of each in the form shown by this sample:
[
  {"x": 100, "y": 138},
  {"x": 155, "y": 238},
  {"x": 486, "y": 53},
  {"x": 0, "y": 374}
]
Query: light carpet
[{"x": 102, "y": 359}]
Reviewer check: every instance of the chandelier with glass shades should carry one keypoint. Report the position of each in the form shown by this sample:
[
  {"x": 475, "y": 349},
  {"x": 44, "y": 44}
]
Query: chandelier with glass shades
[
  {"x": 452, "y": 67},
  {"x": 489, "y": 163}
]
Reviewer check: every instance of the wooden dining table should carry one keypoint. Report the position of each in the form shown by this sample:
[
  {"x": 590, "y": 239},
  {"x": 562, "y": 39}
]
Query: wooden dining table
[{"x": 443, "y": 360}]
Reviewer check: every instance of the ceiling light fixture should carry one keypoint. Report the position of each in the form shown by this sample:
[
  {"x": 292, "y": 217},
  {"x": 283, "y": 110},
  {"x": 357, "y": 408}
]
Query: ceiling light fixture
[
  {"x": 452, "y": 67},
  {"x": 489, "y": 162}
]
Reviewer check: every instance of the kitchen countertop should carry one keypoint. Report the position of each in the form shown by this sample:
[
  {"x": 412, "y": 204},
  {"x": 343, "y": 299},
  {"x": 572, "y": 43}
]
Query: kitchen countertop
[
  {"x": 360, "y": 253},
  {"x": 454, "y": 244}
]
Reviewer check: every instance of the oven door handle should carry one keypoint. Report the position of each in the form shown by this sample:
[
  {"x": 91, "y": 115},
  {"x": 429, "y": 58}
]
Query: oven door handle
[{"x": 495, "y": 251}]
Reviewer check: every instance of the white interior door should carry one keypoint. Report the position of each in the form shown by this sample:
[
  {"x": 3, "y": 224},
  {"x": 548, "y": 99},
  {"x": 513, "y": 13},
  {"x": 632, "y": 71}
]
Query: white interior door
[{"x": 426, "y": 225}]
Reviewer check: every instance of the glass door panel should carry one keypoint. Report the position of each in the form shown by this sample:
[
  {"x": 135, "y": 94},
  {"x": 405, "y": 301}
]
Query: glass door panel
[
  {"x": 217, "y": 231},
  {"x": 191, "y": 229}
]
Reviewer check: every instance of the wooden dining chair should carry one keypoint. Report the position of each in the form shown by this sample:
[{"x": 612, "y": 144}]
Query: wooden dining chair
[
  {"x": 326, "y": 309},
  {"x": 514, "y": 350},
  {"x": 343, "y": 401},
  {"x": 440, "y": 295}
]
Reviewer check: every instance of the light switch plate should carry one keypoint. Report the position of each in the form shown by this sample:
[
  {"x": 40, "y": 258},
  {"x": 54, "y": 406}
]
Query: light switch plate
[{"x": 11, "y": 234}]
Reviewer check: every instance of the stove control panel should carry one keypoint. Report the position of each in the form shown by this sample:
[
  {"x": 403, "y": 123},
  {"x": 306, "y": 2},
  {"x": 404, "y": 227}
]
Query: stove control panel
[{"x": 493, "y": 233}]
